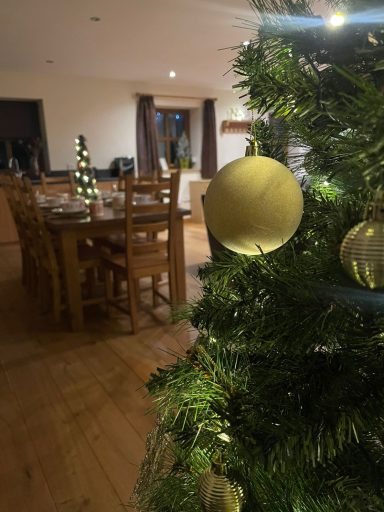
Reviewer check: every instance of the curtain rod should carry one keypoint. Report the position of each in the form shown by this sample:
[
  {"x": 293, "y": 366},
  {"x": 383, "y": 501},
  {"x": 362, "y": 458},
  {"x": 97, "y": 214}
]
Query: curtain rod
[{"x": 138, "y": 94}]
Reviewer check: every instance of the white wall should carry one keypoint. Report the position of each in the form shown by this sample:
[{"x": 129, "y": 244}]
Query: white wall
[
  {"x": 104, "y": 111},
  {"x": 230, "y": 145}
]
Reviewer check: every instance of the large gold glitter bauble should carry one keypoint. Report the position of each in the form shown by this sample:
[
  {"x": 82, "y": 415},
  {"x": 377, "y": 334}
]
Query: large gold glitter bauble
[
  {"x": 217, "y": 492},
  {"x": 362, "y": 250},
  {"x": 253, "y": 203}
]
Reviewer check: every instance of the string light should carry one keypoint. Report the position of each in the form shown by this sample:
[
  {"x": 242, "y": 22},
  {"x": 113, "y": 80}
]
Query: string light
[{"x": 337, "y": 19}]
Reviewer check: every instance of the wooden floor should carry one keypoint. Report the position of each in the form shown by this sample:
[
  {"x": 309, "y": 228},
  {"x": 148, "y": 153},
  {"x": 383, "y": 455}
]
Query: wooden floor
[{"x": 73, "y": 408}]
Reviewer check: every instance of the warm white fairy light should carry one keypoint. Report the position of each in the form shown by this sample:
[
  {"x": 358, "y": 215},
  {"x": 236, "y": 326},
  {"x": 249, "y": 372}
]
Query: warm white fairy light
[{"x": 337, "y": 19}]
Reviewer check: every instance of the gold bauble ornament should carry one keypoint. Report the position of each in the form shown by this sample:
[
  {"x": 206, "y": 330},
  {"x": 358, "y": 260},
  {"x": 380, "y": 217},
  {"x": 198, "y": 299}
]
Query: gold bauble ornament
[
  {"x": 362, "y": 250},
  {"x": 217, "y": 492},
  {"x": 253, "y": 205}
]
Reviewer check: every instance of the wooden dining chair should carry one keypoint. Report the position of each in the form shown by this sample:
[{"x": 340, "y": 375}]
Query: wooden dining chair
[
  {"x": 149, "y": 250},
  {"x": 50, "y": 289},
  {"x": 53, "y": 184},
  {"x": 147, "y": 180},
  {"x": 28, "y": 255}
]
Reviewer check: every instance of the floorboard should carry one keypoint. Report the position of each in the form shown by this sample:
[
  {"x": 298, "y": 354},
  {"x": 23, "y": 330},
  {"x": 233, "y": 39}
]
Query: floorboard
[
  {"x": 23, "y": 486},
  {"x": 73, "y": 406}
]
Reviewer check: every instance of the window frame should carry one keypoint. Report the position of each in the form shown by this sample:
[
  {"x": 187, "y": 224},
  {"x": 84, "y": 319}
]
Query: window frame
[{"x": 167, "y": 138}]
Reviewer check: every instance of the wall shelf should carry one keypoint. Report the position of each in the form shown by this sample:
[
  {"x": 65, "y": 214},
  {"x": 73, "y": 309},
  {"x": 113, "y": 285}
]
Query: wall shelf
[{"x": 235, "y": 126}]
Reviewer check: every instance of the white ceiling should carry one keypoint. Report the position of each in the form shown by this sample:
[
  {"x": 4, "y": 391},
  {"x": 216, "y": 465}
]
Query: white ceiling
[{"x": 136, "y": 40}]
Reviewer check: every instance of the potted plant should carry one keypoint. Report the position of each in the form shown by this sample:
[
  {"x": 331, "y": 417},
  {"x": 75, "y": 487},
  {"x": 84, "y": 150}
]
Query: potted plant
[{"x": 183, "y": 152}]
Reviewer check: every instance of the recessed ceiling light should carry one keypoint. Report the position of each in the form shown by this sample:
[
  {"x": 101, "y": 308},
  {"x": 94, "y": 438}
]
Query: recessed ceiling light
[
  {"x": 172, "y": 74},
  {"x": 49, "y": 61},
  {"x": 95, "y": 18}
]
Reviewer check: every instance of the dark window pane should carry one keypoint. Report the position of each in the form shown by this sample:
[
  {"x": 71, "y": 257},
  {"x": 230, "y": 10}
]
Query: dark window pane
[
  {"x": 180, "y": 124},
  {"x": 176, "y": 124},
  {"x": 172, "y": 125},
  {"x": 162, "y": 152},
  {"x": 160, "y": 124},
  {"x": 173, "y": 152}
]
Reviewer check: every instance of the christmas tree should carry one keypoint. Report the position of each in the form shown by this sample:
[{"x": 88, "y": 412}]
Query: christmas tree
[
  {"x": 84, "y": 176},
  {"x": 278, "y": 405}
]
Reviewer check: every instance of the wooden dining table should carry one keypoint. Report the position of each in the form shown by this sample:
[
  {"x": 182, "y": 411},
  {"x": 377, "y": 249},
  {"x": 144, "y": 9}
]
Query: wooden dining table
[{"x": 70, "y": 230}]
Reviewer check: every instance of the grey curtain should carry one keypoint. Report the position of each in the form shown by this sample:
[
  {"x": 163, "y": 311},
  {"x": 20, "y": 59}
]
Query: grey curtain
[
  {"x": 209, "y": 148},
  {"x": 146, "y": 138}
]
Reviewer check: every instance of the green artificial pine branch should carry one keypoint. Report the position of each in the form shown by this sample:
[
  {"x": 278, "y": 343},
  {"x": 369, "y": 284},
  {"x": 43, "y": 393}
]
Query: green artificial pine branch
[{"x": 286, "y": 377}]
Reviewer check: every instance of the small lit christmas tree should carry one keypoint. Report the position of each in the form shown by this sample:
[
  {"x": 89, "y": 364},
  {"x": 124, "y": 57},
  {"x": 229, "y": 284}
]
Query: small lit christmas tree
[{"x": 84, "y": 177}]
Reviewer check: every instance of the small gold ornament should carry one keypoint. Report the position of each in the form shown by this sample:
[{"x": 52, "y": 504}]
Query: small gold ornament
[
  {"x": 254, "y": 204},
  {"x": 217, "y": 492},
  {"x": 362, "y": 250}
]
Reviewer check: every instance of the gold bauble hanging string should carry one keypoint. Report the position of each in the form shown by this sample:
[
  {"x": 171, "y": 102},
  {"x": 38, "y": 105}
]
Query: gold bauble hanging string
[{"x": 252, "y": 149}]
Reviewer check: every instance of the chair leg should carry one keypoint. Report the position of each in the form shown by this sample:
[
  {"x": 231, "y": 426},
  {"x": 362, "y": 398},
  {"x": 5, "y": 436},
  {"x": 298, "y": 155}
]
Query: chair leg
[
  {"x": 133, "y": 292},
  {"x": 28, "y": 271},
  {"x": 33, "y": 277},
  {"x": 108, "y": 288},
  {"x": 172, "y": 288},
  {"x": 155, "y": 286},
  {"x": 43, "y": 286},
  {"x": 56, "y": 297},
  {"x": 23, "y": 267}
]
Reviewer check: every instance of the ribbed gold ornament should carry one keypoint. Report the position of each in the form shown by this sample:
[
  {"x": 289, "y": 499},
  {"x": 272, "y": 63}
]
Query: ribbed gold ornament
[
  {"x": 218, "y": 493},
  {"x": 362, "y": 250}
]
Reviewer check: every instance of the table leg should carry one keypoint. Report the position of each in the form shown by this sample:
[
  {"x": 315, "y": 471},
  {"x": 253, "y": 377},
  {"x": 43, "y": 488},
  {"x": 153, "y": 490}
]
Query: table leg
[
  {"x": 180, "y": 261},
  {"x": 70, "y": 259}
]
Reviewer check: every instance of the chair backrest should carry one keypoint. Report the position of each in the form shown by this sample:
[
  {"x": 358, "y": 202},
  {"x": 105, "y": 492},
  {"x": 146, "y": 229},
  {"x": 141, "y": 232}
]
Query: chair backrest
[
  {"x": 8, "y": 183},
  {"x": 121, "y": 181},
  {"x": 35, "y": 224},
  {"x": 161, "y": 217},
  {"x": 8, "y": 187},
  {"x": 60, "y": 183}
]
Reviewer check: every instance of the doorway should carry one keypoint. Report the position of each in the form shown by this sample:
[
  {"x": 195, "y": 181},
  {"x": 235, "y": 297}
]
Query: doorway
[{"x": 23, "y": 136}]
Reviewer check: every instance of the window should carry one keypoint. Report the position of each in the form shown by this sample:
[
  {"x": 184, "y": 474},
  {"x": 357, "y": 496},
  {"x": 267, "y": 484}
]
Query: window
[{"x": 170, "y": 126}]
